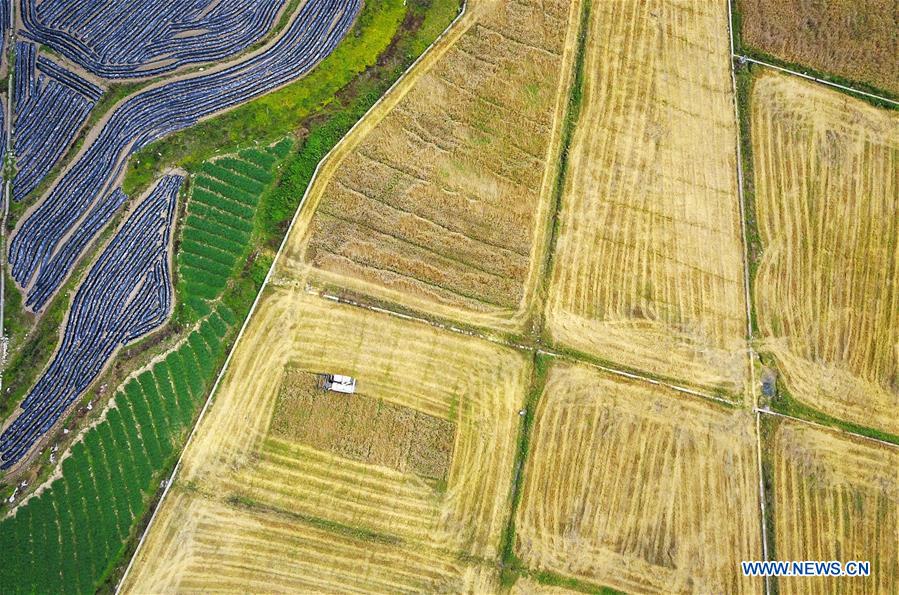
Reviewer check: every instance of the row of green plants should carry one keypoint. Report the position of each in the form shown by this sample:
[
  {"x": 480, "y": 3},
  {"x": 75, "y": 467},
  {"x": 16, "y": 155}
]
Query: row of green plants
[
  {"x": 264, "y": 120},
  {"x": 218, "y": 226},
  {"x": 72, "y": 537}
]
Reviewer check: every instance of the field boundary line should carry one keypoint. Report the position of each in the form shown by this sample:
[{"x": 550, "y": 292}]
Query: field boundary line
[
  {"x": 633, "y": 376},
  {"x": 747, "y": 292},
  {"x": 519, "y": 346},
  {"x": 740, "y": 195},
  {"x": 265, "y": 282},
  {"x": 745, "y": 58},
  {"x": 767, "y": 411},
  {"x": 421, "y": 319}
]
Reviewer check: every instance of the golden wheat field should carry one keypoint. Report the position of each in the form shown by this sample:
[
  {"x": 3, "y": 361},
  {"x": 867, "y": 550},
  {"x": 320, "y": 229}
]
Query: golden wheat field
[
  {"x": 648, "y": 271},
  {"x": 441, "y": 202},
  {"x": 855, "y": 39},
  {"x": 835, "y": 498},
  {"x": 364, "y": 502},
  {"x": 637, "y": 487},
  {"x": 827, "y": 289}
]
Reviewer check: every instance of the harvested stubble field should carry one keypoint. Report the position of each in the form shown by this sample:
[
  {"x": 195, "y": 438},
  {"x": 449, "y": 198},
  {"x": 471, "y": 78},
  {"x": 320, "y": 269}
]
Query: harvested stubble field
[
  {"x": 855, "y": 39},
  {"x": 256, "y": 506},
  {"x": 441, "y": 201},
  {"x": 827, "y": 289},
  {"x": 637, "y": 487},
  {"x": 835, "y": 498},
  {"x": 648, "y": 270}
]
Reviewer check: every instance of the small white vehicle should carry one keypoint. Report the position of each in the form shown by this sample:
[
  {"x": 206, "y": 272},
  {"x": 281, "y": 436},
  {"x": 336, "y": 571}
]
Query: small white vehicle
[{"x": 340, "y": 384}]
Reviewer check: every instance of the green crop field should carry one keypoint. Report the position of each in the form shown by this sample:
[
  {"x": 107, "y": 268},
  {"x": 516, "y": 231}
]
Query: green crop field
[
  {"x": 79, "y": 526},
  {"x": 216, "y": 236}
]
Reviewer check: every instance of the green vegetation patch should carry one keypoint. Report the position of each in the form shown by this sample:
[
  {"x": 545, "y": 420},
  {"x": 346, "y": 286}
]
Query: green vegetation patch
[{"x": 216, "y": 236}]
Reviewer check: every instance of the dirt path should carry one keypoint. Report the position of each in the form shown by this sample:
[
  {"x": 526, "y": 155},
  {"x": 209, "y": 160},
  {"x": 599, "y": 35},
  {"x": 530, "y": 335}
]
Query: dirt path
[
  {"x": 753, "y": 356},
  {"x": 7, "y": 196}
]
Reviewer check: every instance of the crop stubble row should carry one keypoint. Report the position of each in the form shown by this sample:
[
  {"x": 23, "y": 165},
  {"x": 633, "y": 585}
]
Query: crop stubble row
[
  {"x": 442, "y": 204},
  {"x": 476, "y": 384},
  {"x": 648, "y": 266},
  {"x": 835, "y": 498},
  {"x": 827, "y": 288}
]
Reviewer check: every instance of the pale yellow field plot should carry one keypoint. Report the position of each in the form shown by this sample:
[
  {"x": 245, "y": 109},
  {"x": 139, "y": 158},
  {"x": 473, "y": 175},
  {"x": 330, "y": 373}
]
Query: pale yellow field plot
[
  {"x": 404, "y": 486},
  {"x": 827, "y": 289},
  {"x": 638, "y": 488},
  {"x": 441, "y": 201},
  {"x": 529, "y": 586},
  {"x": 648, "y": 271},
  {"x": 835, "y": 498}
]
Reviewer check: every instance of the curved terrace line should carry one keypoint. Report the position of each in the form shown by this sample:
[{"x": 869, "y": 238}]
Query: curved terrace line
[
  {"x": 126, "y": 295},
  {"x": 51, "y": 238},
  {"x": 147, "y": 37}
]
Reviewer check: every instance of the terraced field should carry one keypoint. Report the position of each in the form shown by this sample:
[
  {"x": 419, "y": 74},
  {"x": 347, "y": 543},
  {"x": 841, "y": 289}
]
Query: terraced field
[
  {"x": 827, "y": 288},
  {"x": 638, "y": 488},
  {"x": 835, "y": 498},
  {"x": 50, "y": 106},
  {"x": 74, "y": 531},
  {"x": 317, "y": 510},
  {"x": 80, "y": 523},
  {"x": 647, "y": 271},
  {"x": 125, "y": 295},
  {"x": 147, "y": 37},
  {"x": 442, "y": 204},
  {"x": 50, "y": 237},
  {"x": 467, "y": 461}
]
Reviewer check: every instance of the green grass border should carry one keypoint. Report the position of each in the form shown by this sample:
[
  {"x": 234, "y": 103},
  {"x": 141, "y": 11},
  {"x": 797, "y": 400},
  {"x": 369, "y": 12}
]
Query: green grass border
[
  {"x": 767, "y": 429},
  {"x": 785, "y": 403}
]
